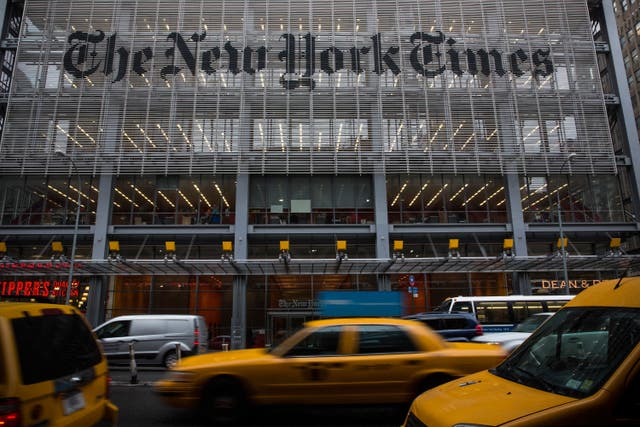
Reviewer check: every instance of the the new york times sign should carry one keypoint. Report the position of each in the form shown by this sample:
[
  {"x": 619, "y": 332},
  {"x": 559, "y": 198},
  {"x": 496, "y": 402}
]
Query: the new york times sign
[{"x": 431, "y": 54}]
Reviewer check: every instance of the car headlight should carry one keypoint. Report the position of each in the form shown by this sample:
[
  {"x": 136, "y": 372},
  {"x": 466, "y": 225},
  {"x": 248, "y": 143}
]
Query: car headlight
[{"x": 181, "y": 376}]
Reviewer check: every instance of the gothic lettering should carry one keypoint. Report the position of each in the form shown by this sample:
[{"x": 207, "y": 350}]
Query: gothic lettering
[{"x": 431, "y": 55}]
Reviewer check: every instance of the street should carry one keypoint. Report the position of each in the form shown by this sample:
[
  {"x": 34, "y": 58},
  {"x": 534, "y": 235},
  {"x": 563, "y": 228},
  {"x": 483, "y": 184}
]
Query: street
[{"x": 139, "y": 407}]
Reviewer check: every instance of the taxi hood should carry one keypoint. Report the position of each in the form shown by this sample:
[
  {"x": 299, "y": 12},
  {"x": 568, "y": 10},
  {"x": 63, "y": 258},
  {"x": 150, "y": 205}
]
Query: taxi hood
[
  {"x": 221, "y": 357},
  {"x": 483, "y": 399}
]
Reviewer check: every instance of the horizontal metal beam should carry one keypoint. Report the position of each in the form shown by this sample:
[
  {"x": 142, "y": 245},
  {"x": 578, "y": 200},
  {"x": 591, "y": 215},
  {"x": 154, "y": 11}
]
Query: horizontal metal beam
[{"x": 261, "y": 267}]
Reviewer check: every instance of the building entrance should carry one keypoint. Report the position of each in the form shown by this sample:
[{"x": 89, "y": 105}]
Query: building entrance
[{"x": 284, "y": 323}]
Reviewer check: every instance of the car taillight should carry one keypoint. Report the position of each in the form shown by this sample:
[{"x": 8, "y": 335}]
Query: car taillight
[
  {"x": 10, "y": 412},
  {"x": 196, "y": 337},
  {"x": 479, "y": 330}
]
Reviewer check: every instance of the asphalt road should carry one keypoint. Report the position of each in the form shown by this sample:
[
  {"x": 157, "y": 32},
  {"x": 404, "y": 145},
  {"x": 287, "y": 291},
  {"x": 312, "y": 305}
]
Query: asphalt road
[{"x": 139, "y": 407}]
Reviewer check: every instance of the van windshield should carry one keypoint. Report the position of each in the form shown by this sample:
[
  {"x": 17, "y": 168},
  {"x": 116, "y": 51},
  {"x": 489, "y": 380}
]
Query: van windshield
[{"x": 575, "y": 352}]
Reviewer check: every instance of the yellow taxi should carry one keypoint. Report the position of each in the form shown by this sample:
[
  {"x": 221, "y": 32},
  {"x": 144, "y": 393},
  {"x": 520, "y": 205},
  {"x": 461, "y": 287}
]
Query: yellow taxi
[
  {"x": 52, "y": 370},
  {"x": 580, "y": 368},
  {"x": 337, "y": 361}
]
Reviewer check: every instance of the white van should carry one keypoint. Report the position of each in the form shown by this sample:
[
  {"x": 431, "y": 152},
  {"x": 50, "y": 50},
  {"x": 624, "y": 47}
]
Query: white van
[{"x": 154, "y": 336}]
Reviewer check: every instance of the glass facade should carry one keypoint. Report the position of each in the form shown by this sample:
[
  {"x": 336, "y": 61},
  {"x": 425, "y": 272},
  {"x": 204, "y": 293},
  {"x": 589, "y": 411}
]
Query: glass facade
[{"x": 228, "y": 128}]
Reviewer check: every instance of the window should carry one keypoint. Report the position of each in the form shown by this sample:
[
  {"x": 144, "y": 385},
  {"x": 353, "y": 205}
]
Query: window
[
  {"x": 114, "y": 330},
  {"x": 384, "y": 339},
  {"x": 323, "y": 342},
  {"x": 50, "y": 347},
  {"x": 492, "y": 312}
]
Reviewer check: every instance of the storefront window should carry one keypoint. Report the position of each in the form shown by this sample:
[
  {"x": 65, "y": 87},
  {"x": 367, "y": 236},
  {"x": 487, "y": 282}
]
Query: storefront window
[
  {"x": 278, "y": 305},
  {"x": 207, "y": 296},
  {"x": 426, "y": 291},
  {"x": 446, "y": 199},
  {"x": 173, "y": 199},
  {"x": 47, "y": 200},
  {"x": 582, "y": 199},
  {"x": 311, "y": 200}
]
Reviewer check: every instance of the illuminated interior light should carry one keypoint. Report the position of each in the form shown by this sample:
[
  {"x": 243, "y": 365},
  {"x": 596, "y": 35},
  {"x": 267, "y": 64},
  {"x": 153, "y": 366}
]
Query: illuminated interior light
[
  {"x": 55, "y": 190},
  {"x": 132, "y": 141},
  {"x": 116, "y": 204},
  {"x": 395, "y": 200},
  {"x": 184, "y": 135},
  {"x": 144, "y": 196},
  {"x": 224, "y": 199},
  {"x": 458, "y": 192},
  {"x": 145, "y": 135},
  {"x": 204, "y": 135},
  {"x": 467, "y": 141},
  {"x": 185, "y": 199},
  {"x": 201, "y": 195},
  {"x": 69, "y": 136},
  {"x": 435, "y": 196},
  {"x": 86, "y": 134},
  {"x": 418, "y": 194},
  {"x": 492, "y": 196},
  {"x": 466, "y": 202},
  {"x": 81, "y": 194},
  {"x": 166, "y": 199},
  {"x": 126, "y": 197}
]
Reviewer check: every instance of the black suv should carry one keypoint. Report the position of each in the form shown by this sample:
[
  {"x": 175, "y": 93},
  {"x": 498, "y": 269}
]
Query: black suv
[{"x": 452, "y": 326}]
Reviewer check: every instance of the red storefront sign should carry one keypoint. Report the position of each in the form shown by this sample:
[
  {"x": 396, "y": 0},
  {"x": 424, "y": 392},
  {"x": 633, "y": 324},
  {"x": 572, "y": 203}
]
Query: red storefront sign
[{"x": 37, "y": 288}]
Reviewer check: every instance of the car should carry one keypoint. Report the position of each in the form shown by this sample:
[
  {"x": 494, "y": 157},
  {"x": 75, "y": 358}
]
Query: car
[
  {"x": 581, "y": 368},
  {"x": 328, "y": 361},
  {"x": 52, "y": 370},
  {"x": 157, "y": 339},
  {"x": 510, "y": 340},
  {"x": 452, "y": 326}
]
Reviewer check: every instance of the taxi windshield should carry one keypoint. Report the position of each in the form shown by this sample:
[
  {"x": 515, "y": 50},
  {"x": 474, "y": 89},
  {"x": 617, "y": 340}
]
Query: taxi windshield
[{"x": 575, "y": 351}]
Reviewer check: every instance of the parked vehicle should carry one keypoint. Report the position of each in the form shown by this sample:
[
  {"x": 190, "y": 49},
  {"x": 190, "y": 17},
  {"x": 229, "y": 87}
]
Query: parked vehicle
[
  {"x": 452, "y": 326},
  {"x": 333, "y": 361},
  {"x": 155, "y": 338},
  {"x": 510, "y": 340},
  {"x": 580, "y": 368},
  {"x": 502, "y": 313},
  {"x": 52, "y": 372}
]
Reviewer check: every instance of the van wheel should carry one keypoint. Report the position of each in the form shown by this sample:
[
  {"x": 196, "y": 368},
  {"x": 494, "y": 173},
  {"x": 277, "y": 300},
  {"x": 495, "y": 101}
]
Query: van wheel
[
  {"x": 170, "y": 359},
  {"x": 223, "y": 402}
]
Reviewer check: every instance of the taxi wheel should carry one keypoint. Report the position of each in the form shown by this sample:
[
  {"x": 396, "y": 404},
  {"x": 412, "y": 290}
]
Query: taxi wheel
[
  {"x": 223, "y": 402},
  {"x": 170, "y": 359}
]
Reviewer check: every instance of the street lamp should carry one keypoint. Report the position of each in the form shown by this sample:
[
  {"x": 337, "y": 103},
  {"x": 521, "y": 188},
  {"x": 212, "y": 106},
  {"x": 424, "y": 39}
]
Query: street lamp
[
  {"x": 75, "y": 229},
  {"x": 563, "y": 251}
]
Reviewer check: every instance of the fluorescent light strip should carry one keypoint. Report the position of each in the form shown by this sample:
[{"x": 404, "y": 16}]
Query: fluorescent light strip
[
  {"x": 142, "y": 194},
  {"x": 126, "y": 198},
  {"x": 131, "y": 141},
  {"x": 418, "y": 195},
  {"x": 166, "y": 199},
  {"x": 492, "y": 196},
  {"x": 224, "y": 199},
  {"x": 86, "y": 134},
  {"x": 395, "y": 200},
  {"x": 435, "y": 196},
  {"x": 458, "y": 192},
  {"x": 185, "y": 199},
  {"x": 69, "y": 136},
  {"x": 466, "y": 202},
  {"x": 146, "y": 136},
  {"x": 201, "y": 195},
  {"x": 51, "y": 187}
]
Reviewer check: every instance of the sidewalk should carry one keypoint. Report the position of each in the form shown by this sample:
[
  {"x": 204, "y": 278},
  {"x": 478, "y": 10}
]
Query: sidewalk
[{"x": 121, "y": 376}]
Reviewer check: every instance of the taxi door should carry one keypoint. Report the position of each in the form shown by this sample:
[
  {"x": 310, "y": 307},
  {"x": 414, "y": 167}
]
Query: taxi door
[
  {"x": 312, "y": 371},
  {"x": 381, "y": 364}
]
